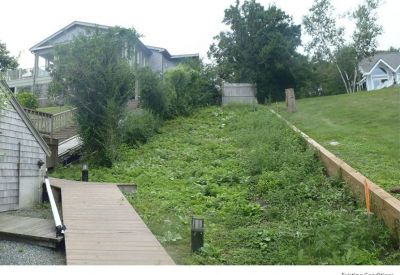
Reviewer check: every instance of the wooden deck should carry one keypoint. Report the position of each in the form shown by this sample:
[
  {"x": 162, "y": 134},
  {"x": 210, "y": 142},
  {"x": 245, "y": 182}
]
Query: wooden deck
[
  {"x": 104, "y": 229},
  {"x": 31, "y": 230}
]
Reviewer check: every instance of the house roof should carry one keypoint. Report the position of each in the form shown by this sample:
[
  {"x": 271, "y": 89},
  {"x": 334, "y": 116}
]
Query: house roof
[
  {"x": 168, "y": 55},
  {"x": 42, "y": 44},
  {"x": 18, "y": 108},
  {"x": 391, "y": 59}
]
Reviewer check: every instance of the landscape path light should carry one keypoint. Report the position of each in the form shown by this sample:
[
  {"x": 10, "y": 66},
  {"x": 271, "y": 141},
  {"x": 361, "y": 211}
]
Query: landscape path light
[
  {"x": 85, "y": 173},
  {"x": 197, "y": 234}
]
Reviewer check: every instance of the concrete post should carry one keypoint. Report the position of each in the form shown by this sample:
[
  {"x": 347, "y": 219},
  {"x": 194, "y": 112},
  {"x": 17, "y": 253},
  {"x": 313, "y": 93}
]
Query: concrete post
[{"x": 290, "y": 100}]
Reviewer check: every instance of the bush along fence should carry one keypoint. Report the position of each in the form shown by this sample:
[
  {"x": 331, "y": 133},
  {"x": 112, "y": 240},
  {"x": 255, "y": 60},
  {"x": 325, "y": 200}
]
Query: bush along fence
[{"x": 377, "y": 200}]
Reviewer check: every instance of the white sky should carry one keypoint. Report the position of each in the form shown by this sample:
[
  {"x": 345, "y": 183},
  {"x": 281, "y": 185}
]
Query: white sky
[{"x": 181, "y": 26}]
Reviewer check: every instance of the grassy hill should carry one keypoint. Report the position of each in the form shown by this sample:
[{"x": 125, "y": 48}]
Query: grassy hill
[
  {"x": 259, "y": 187},
  {"x": 366, "y": 125}
]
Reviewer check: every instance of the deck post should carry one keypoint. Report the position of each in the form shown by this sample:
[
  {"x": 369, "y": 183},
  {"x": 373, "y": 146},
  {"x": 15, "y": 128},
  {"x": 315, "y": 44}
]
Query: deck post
[{"x": 35, "y": 72}]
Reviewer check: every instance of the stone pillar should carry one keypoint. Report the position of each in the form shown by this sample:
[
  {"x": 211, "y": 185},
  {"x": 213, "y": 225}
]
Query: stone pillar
[{"x": 290, "y": 100}]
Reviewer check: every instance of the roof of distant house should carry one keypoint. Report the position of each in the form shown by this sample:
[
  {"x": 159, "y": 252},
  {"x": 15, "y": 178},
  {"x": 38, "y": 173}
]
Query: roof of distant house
[
  {"x": 164, "y": 51},
  {"x": 392, "y": 59}
]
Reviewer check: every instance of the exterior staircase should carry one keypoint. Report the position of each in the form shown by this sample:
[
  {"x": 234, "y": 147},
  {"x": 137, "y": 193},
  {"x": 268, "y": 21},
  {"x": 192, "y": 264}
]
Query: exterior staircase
[
  {"x": 65, "y": 133},
  {"x": 55, "y": 129}
]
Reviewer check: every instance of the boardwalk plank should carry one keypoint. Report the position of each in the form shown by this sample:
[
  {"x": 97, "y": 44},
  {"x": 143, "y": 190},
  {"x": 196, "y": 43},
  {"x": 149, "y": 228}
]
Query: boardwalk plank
[{"x": 103, "y": 228}]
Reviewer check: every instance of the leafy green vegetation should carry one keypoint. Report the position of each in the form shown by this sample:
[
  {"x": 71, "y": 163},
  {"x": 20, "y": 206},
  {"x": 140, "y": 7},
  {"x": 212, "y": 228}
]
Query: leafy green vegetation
[
  {"x": 138, "y": 126},
  {"x": 7, "y": 62},
  {"x": 261, "y": 190},
  {"x": 28, "y": 100},
  {"x": 180, "y": 91},
  {"x": 94, "y": 73},
  {"x": 366, "y": 125}
]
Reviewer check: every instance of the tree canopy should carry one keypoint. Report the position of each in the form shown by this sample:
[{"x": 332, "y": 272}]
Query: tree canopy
[
  {"x": 259, "y": 48},
  {"x": 365, "y": 35},
  {"x": 328, "y": 45},
  {"x": 6, "y": 61}
]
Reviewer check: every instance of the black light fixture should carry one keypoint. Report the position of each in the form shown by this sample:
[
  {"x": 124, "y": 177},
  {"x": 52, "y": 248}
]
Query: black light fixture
[
  {"x": 40, "y": 163},
  {"x": 197, "y": 234},
  {"x": 85, "y": 173}
]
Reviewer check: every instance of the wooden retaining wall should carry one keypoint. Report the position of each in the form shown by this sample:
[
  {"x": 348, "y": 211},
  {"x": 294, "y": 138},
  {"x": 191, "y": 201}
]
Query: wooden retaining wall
[{"x": 383, "y": 204}]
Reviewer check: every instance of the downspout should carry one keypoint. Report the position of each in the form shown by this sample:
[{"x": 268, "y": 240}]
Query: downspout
[{"x": 19, "y": 169}]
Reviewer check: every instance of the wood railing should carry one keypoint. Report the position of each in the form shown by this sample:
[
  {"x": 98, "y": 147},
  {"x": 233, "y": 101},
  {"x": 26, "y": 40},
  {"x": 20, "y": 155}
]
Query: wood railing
[{"x": 47, "y": 123}]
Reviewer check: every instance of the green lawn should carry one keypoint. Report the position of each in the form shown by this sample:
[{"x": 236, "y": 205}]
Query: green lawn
[
  {"x": 259, "y": 187},
  {"x": 366, "y": 125},
  {"x": 55, "y": 109}
]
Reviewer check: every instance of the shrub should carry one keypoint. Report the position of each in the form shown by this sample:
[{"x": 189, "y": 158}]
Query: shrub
[
  {"x": 99, "y": 83},
  {"x": 139, "y": 126},
  {"x": 28, "y": 100},
  {"x": 182, "y": 90},
  {"x": 185, "y": 87},
  {"x": 152, "y": 96}
]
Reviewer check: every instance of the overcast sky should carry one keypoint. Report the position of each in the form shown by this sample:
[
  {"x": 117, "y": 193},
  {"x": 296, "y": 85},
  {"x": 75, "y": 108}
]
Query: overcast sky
[{"x": 181, "y": 26}]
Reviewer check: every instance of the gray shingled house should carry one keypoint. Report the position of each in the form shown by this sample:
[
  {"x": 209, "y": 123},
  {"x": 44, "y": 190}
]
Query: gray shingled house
[
  {"x": 22, "y": 155},
  {"x": 380, "y": 71},
  {"x": 38, "y": 77}
]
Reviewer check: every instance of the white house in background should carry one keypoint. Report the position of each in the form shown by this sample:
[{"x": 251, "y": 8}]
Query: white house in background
[
  {"x": 380, "y": 71},
  {"x": 22, "y": 156}
]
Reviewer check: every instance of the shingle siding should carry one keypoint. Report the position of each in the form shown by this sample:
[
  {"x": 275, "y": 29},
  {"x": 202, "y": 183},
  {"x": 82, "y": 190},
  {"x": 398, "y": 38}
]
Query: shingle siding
[{"x": 13, "y": 130}]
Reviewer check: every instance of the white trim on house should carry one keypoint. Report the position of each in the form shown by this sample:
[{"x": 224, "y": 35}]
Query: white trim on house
[{"x": 377, "y": 63}]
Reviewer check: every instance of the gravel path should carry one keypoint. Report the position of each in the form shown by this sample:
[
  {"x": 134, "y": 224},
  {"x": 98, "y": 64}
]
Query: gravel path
[{"x": 18, "y": 253}]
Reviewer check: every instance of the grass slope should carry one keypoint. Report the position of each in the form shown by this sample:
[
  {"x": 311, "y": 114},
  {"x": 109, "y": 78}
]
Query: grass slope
[
  {"x": 261, "y": 190},
  {"x": 366, "y": 125}
]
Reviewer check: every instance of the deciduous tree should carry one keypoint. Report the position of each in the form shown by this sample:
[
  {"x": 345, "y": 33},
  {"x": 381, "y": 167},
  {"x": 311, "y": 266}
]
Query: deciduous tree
[
  {"x": 259, "y": 48},
  {"x": 6, "y": 61},
  {"x": 327, "y": 43}
]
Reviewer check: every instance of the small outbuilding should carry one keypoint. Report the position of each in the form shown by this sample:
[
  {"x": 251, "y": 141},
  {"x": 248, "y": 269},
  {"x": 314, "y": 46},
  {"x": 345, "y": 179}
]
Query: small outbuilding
[
  {"x": 239, "y": 93},
  {"x": 22, "y": 155}
]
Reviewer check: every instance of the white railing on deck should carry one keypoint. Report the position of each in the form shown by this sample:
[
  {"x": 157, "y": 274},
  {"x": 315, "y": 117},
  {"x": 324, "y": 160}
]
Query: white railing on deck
[
  {"x": 47, "y": 123},
  {"x": 18, "y": 74}
]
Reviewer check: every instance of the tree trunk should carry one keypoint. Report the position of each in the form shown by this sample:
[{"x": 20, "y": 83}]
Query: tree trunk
[
  {"x": 355, "y": 79},
  {"x": 341, "y": 75}
]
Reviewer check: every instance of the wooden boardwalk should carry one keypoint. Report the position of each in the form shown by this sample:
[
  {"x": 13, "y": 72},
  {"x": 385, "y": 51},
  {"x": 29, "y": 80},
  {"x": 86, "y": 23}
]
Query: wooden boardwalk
[
  {"x": 104, "y": 229},
  {"x": 31, "y": 230}
]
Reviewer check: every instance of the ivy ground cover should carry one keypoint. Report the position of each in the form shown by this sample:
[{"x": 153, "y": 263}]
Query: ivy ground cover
[{"x": 262, "y": 192}]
